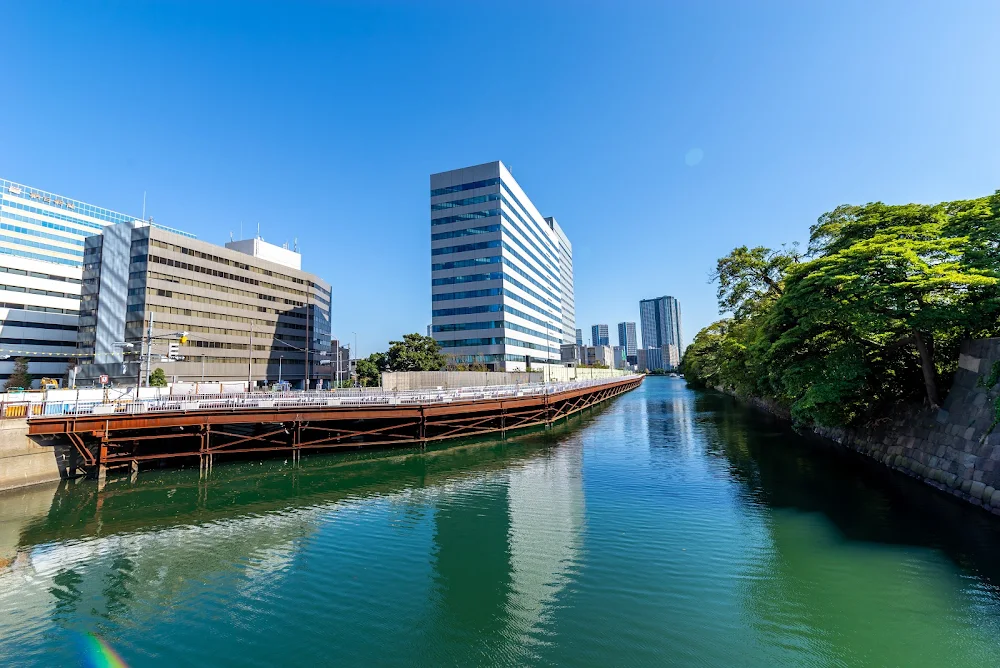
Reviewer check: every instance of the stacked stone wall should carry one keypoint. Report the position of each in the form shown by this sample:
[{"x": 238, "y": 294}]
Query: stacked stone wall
[{"x": 951, "y": 448}]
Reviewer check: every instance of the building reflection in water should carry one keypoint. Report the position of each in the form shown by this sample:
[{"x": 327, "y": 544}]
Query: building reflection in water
[{"x": 506, "y": 522}]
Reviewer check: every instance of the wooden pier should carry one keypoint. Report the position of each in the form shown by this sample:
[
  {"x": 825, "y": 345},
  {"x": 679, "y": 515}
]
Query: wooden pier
[{"x": 143, "y": 434}]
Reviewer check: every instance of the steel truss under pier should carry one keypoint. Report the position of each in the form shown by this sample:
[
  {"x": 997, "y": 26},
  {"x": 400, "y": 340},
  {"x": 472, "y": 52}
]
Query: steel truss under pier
[{"x": 102, "y": 441}]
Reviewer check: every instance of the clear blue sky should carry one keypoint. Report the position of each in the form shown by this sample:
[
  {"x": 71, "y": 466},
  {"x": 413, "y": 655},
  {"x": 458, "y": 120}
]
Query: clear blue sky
[{"x": 323, "y": 121}]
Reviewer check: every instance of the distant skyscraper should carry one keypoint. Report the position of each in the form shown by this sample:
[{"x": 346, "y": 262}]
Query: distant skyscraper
[
  {"x": 626, "y": 338},
  {"x": 579, "y": 337},
  {"x": 660, "y": 320},
  {"x": 599, "y": 335}
]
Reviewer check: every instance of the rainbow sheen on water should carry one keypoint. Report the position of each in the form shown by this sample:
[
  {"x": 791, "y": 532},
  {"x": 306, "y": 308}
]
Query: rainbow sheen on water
[{"x": 668, "y": 528}]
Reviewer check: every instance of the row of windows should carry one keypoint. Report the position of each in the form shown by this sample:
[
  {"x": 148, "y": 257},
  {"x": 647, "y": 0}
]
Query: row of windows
[
  {"x": 156, "y": 243},
  {"x": 493, "y": 324},
  {"x": 170, "y": 262},
  {"x": 35, "y": 274},
  {"x": 496, "y": 341},
  {"x": 37, "y": 325},
  {"x": 545, "y": 268},
  {"x": 53, "y": 359},
  {"x": 37, "y": 291},
  {"x": 487, "y": 308},
  {"x": 211, "y": 359},
  {"x": 157, "y": 308},
  {"x": 494, "y": 259},
  {"x": 60, "y": 216},
  {"x": 38, "y": 256},
  {"x": 447, "y": 250},
  {"x": 481, "y": 199},
  {"x": 475, "y": 215},
  {"x": 468, "y": 278},
  {"x": 518, "y": 284},
  {"x": 461, "y": 264},
  {"x": 486, "y": 229},
  {"x": 473, "y": 359},
  {"x": 468, "y": 294},
  {"x": 549, "y": 265},
  {"x": 556, "y": 242},
  {"x": 157, "y": 292},
  {"x": 211, "y": 286},
  {"x": 35, "y": 342},
  {"x": 465, "y": 186},
  {"x": 40, "y": 309},
  {"x": 492, "y": 292},
  {"x": 77, "y": 241},
  {"x": 202, "y": 329},
  {"x": 41, "y": 246}
]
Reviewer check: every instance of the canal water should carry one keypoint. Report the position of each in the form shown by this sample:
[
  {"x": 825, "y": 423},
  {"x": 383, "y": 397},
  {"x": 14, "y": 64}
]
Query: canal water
[{"x": 669, "y": 527}]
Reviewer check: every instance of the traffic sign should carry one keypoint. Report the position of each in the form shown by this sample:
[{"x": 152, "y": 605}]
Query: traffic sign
[{"x": 104, "y": 379}]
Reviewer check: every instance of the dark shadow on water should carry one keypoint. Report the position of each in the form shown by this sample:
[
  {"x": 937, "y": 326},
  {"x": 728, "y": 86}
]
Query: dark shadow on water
[{"x": 865, "y": 501}]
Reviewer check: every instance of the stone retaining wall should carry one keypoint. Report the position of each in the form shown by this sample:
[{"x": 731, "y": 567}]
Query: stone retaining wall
[{"x": 951, "y": 448}]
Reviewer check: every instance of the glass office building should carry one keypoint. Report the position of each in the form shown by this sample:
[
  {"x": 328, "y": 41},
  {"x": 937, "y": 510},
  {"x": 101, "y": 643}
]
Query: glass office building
[
  {"x": 599, "y": 335},
  {"x": 501, "y": 273},
  {"x": 660, "y": 321},
  {"x": 627, "y": 340},
  {"x": 41, "y": 257}
]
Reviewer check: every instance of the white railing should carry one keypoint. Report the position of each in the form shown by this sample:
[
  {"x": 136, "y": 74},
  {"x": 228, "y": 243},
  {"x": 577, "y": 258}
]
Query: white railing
[{"x": 359, "y": 397}]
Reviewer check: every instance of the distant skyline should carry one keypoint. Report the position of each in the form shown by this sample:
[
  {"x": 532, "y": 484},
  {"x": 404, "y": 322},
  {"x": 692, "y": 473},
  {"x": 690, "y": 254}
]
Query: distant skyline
[{"x": 660, "y": 135}]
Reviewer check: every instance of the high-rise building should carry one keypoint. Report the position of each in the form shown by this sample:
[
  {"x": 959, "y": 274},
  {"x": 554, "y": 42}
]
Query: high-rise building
[
  {"x": 249, "y": 312},
  {"x": 579, "y": 337},
  {"x": 599, "y": 335},
  {"x": 41, "y": 272},
  {"x": 501, "y": 273},
  {"x": 626, "y": 339},
  {"x": 660, "y": 320}
]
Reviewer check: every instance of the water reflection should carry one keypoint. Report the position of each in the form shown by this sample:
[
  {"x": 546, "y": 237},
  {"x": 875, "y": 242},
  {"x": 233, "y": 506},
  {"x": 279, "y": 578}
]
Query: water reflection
[{"x": 670, "y": 524}]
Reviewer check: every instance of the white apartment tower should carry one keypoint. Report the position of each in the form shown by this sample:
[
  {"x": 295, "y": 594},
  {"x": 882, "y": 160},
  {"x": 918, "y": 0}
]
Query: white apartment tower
[{"x": 501, "y": 273}]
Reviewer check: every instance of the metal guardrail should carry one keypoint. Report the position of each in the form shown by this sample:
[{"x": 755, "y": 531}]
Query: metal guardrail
[{"x": 359, "y": 397}]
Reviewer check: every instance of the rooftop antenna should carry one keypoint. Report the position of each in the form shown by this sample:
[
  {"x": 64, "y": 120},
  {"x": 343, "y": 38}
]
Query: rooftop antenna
[
  {"x": 296, "y": 244},
  {"x": 230, "y": 236},
  {"x": 258, "y": 229}
]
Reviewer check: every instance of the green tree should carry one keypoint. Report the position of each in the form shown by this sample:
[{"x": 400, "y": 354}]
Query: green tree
[
  {"x": 158, "y": 378},
  {"x": 415, "y": 353},
  {"x": 750, "y": 278},
  {"x": 369, "y": 369},
  {"x": 19, "y": 378},
  {"x": 898, "y": 274}
]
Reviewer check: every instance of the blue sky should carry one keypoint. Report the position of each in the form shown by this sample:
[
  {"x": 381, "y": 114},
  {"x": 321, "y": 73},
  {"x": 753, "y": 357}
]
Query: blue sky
[{"x": 322, "y": 121}]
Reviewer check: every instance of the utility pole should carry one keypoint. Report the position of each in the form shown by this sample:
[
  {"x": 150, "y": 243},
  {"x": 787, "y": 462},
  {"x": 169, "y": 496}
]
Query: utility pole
[
  {"x": 149, "y": 349},
  {"x": 305, "y": 380}
]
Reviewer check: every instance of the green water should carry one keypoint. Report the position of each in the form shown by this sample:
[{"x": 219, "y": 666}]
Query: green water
[{"x": 668, "y": 528}]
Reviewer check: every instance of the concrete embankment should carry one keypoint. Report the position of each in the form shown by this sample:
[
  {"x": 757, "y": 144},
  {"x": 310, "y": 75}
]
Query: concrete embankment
[
  {"x": 954, "y": 448},
  {"x": 23, "y": 461}
]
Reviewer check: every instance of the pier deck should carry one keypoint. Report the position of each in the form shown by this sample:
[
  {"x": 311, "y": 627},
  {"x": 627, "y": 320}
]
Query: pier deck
[{"x": 127, "y": 433}]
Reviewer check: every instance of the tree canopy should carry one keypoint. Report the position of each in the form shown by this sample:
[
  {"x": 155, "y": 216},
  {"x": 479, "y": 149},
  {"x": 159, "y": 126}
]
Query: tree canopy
[
  {"x": 19, "y": 377},
  {"x": 871, "y": 316},
  {"x": 414, "y": 353}
]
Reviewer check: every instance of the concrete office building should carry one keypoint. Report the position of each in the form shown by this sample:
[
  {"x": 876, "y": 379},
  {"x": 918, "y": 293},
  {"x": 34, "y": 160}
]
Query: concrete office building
[
  {"x": 599, "y": 355},
  {"x": 599, "y": 335},
  {"x": 626, "y": 339},
  {"x": 569, "y": 353},
  {"x": 245, "y": 313},
  {"x": 660, "y": 320},
  {"x": 501, "y": 273},
  {"x": 41, "y": 257}
]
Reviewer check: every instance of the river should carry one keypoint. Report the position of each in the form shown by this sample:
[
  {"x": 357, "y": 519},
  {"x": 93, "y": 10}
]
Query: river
[{"x": 669, "y": 527}]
